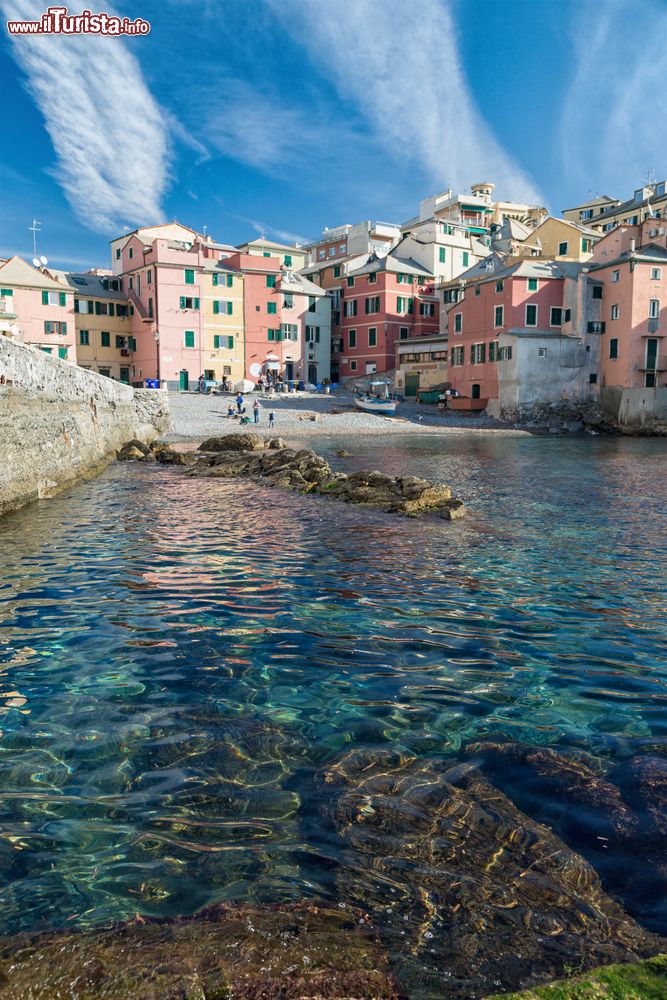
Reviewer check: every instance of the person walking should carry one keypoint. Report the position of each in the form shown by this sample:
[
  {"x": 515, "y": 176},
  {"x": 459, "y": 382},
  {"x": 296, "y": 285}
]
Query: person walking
[
  {"x": 255, "y": 411},
  {"x": 271, "y": 420},
  {"x": 239, "y": 402}
]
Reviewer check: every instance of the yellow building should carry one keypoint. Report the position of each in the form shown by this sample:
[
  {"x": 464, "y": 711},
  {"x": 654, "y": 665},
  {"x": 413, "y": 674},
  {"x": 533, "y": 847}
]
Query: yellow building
[
  {"x": 104, "y": 343},
  {"x": 561, "y": 239},
  {"x": 223, "y": 322},
  {"x": 290, "y": 257}
]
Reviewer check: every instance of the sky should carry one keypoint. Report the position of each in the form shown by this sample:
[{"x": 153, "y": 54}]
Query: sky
[{"x": 281, "y": 117}]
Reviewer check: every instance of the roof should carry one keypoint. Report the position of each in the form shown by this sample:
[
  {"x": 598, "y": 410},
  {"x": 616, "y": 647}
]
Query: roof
[
  {"x": 147, "y": 229},
  {"x": 293, "y": 282},
  {"x": 392, "y": 263},
  {"x": 584, "y": 230},
  {"x": 271, "y": 244},
  {"x": 92, "y": 285},
  {"x": 17, "y": 271},
  {"x": 219, "y": 265},
  {"x": 521, "y": 267},
  {"x": 649, "y": 253},
  {"x": 593, "y": 201},
  {"x": 626, "y": 206}
]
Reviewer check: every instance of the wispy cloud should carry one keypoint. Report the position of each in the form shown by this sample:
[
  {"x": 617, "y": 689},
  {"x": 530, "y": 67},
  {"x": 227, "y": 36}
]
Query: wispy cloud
[
  {"x": 403, "y": 70},
  {"x": 108, "y": 132},
  {"x": 613, "y": 123},
  {"x": 264, "y": 229}
]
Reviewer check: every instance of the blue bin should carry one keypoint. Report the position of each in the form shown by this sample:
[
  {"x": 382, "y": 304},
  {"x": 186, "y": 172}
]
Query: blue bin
[{"x": 152, "y": 383}]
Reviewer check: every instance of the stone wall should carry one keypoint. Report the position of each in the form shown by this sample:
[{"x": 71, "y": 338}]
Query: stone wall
[
  {"x": 60, "y": 423},
  {"x": 643, "y": 410}
]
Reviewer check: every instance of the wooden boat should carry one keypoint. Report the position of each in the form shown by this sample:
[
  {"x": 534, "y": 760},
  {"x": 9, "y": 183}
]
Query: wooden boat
[{"x": 371, "y": 402}]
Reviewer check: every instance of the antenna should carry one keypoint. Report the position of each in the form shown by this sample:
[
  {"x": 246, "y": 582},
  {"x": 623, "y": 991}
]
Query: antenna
[{"x": 35, "y": 228}]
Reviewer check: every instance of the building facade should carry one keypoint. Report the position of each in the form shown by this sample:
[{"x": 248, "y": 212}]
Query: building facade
[{"x": 36, "y": 309}]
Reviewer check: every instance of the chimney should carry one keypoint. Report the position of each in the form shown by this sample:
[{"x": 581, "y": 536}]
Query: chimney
[{"x": 633, "y": 245}]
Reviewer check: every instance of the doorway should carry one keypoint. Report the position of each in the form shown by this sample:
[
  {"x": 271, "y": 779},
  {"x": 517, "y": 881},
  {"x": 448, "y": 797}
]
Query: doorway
[
  {"x": 312, "y": 374},
  {"x": 183, "y": 380},
  {"x": 475, "y": 391},
  {"x": 411, "y": 384}
]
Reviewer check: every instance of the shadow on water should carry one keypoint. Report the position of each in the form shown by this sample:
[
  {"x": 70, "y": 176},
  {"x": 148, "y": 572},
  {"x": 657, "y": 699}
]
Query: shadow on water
[{"x": 184, "y": 662}]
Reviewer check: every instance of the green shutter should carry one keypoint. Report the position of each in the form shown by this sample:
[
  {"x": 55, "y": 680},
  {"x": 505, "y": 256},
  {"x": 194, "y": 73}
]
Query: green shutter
[
  {"x": 271, "y": 334},
  {"x": 411, "y": 305},
  {"x": 270, "y": 281},
  {"x": 271, "y": 307},
  {"x": 196, "y": 304},
  {"x": 47, "y": 350},
  {"x": 215, "y": 279},
  {"x": 189, "y": 338},
  {"x": 189, "y": 277},
  {"x": 62, "y": 353},
  {"x": 132, "y": 343},
  {"x": 45, "y": 298},
  {"x": 106, "y": 339},
  {"x": 443, "y": 254},
  {"x": 288, "y": 260},
  {"x": 6, "y": 291},
  {"x": 216, "y": 341},
  {"x": 62, "y": 298},
  {"x": 98, "y": 308},
  {"x": 182, "y": 301},
  {"x": 230, "y": 280},
  {"x": 216, "y": 307},
  {"x": 532, "y": 284},
  {"x": 230, "y": 308},
  {"x": 465, "y": 258},
  {"x": 230, "y": 343}
]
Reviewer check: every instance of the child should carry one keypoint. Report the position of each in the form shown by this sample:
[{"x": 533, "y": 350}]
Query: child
[{"x": 271, "y": 420}]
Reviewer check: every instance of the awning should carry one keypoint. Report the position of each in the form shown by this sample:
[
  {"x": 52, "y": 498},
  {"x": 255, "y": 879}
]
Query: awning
[{"x": 272, "y": 366}]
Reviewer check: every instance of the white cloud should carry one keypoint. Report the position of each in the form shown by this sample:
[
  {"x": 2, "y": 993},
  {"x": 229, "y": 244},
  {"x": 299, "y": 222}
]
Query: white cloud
[
  {"x": 613, "y": 123},
  {"x": 108, "y": 132},
  {"x": 264, "y": 229},
  {"x": 401, "y": 67}
]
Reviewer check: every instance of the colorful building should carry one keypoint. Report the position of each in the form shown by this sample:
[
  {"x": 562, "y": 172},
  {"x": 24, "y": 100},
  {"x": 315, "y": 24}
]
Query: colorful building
[
  {"x": 561, "y": 239},
  {"x": 421, "y": 364},
  {"x": 223, "y": 323},
  {"x": 291, "y": 257},
  {"x": 307, "y": 307},
  {"x": 36, "y": 309},
  {"x": 648, "y": 201}
]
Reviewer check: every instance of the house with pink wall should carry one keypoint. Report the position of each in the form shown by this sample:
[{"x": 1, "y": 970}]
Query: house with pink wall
[{"x": 36, "y": 309}]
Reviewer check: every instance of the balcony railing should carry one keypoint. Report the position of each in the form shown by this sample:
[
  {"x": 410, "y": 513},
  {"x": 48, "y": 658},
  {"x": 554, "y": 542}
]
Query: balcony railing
[{"x": 653, "y": 365}]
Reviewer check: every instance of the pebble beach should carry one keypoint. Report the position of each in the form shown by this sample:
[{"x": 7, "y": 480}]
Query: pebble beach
[{"x": 303, "y": 414}]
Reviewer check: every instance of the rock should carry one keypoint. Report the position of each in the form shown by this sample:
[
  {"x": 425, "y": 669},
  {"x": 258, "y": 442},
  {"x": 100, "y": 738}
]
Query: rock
[
  {"x": 275, "y": 443},
  {"x": 234, "y": 442},
  {"x": 299, "y": 951},
  {"x": 137, "y": 446},
  {"x": 343, "y": 453},
  {"x": 169, "y": 456},
  {"x": 128, "y": 453},
  {"x": 574, "y": 426},
  {"x": 453, "y": 510},
  {"x": 631, "y": 981},
  {"x": 651, "y": 776},
  {"x": 475, "y": 895},
  {"x": 554, "y": 430}
]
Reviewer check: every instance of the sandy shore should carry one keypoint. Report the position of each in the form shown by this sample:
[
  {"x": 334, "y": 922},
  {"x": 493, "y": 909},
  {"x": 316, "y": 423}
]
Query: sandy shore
[{"x": 304, "y": 415}]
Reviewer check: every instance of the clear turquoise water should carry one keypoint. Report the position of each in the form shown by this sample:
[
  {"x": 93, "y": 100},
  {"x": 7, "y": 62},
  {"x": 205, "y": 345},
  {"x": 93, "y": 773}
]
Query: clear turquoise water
[{"x": 180, "y": 658}]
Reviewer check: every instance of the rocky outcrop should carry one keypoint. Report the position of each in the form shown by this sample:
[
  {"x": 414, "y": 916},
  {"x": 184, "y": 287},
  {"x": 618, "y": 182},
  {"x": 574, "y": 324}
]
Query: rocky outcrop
[
  {"x": 630, "y": 981},
  {"x": 293, "y": 952},
  {"x": 60, "y": 423},
  {"x": 475, "y": 894},
  {"x": 561, "y": 417},
  {"x": 271, "y": 462}
]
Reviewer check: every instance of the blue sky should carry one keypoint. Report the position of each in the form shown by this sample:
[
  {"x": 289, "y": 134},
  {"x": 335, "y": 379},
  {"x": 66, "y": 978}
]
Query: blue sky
[{"x": 289, "y": 115}]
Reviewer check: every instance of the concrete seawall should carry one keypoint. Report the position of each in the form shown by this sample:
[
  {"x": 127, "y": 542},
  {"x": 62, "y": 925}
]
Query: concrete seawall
[{"x": 60, "y": 423}]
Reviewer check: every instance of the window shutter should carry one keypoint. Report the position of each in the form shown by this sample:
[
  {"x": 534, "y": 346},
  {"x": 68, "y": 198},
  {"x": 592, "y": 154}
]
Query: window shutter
[
  {"x": 62, "y": 353},
  {"x": 76, "y": 305},
  {"x": 196, "y": 305},
  {"x": 216, "y": 341},
  {"x": 62, "y": 298},
  {"x": 230, "y": 280},
  {"x": 182, "y": 301},
  {"x": 216, "y": 307},
  {"x": 45, "y": 298},
  {"x": 98, "y": 308},
  {"x": 411, "y": 303},
  {"x": 229, "y": 308},
  {"x": 230, "y": 343},
  {"x": 215, "y": 279},
  {"x": 317, "y": 334}
]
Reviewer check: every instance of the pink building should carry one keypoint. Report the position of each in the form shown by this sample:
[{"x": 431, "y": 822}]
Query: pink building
[
  {"x": 264, "y": 347},
  {"x": 36, "y": 309}
]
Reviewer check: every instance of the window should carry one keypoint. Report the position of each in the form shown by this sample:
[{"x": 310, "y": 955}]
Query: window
[
  {"x": 150, "y": 308},
  {"x": 118, "y": 254},
  {"x": 222, "y": 308},
  {"x": 656, "y": 273},
  {"x": 478, "y": 290},
  {"x": 597, "y": 291},
  {"x": 62, "y": 353},
  {"x": 54, "y": 299},
  {"x": 47, "y": 350},
  {"x": 458, "y": 322},
  {"x": 541, "y": 352},
  {"x": 403, "y": 305},
  {"x": 288, "y": 260},
  {"x": 120, "y": 342},
  {"x": 321, "y": 254},
  {"x": 188, "y": 303},
  {"x": 266, "y": 253},
  {"x": 615, "y": 276},
  {"x": 372, "y": 305},
  {"x": 613, "y": 348},
  {"x": 372, "y": 278},
  {"x": 271, "y": 308},
  {"x": 50, "y": 326},
  {"x": 312, "y": 334},
  {"x": 189, "y": 276},
  {"x": 105, "y": 338},
  {"x": 556, "y": 316},
  {"x": 223, "y": 341},
  {"x": 404, "y": 279},
  {"x": 312, "y": 303},
  {"x": 427, "y": 308},
  {"x": 106, "y": 372},
  {"x": 442, "y": 254},
  {"x": 130, "y": 252},
  {"x": 353, "y": 366},
  {"x": 586, "y": 214},
  {"x": 593, "y": 378},
  {"x": 562, "y": 249},
  {"x": 288, "y": 300},
  {"x": 332, "y": 251},
  {"x": 498, "y": 315},
  {"x": 585, "y": 245},
  {"x": 270, "y": 281},
  {"x": 403, "y": 333},
  {"x": 350, "y": 282},
  {"x": 504, "y": 354},
  {"x": 121, "y": 311},
  {"x": 131, "y": 282},
  {"x": 149, "y": 277},
  {"x": 477, "y": 354},
  {"x": 614, "y": 312},
  {"x": 531, "y": 315},
  {"x": 342, "y": 248},
  {"x": 350, "y": 307},
  {"x": 271, "y": 334},
  {"x": 654, "y": 309},
  {"x": 372, "y": 336},
  {"x": 466, "y": 257},
  {"x": 131, "y": 343},
  {"x": 500, "y": 285},
  {"x": 336, "y": 271},
  {"x": 189, "y": 338},
  {"x": 532, "y": 284},
  {"x": 352, "y": 338},
  {"x": 84, "y": 338},
  {"x": 493, "y": 347},
  {"x": 457, "y": 356}
]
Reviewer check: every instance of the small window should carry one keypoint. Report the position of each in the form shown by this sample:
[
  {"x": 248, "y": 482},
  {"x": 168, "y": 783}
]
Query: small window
[
  {"x": 562, "y": 249},
  {"x": 288, "y": 260},
  {"x": 498, "y": 316},
  {"x": 118, "y": 253},
  {"x": 556, "y": 317},
  {"x": 372, "y": 278},
  {"x": 266, "y": 253},
  {"x": 656, "y": 274},
  {"x": 478, "y": 290},
  {"x": 654, "y": 309},
  {"x": 189, "y": 338},
  {"x": 500, "y": 285},
  {"x": 597, "y": 291},
  {"x": 84, "y": 338},
  {"x": 336, "y": 271},
  {"x": 614, "y": 312},
  {"x": 189, "y": 303},
  {"x": 288, "y": 300},
  {"x": 130, "y": 252},
  {"x": 270, "y": 281},
  {"x": 615, "y": 276},
  {"x": 332, "y": 251},
  {"x": 403, "y": 333},
  {"x": 350, "y": 282},
  {"x": 466, "y": 258},
  {"x": 149, "y": 277},
  {"x": 613, "y": 348},
  {"x": 353, "y": 366},
  {"x": 321, "y": 255},
  {"x": 593, "y": 378},
  {"x": 105, "y": 338},
  {"x": 352, "y": 338},
  {"x": 458, "y": 322},
  {"x": 62, "y": 353},
  {"x": 442, "y": 254},
  {"x": 272, "y": 308},
  {"x": 372, "y": 336},
  {"x": 541, "y": 352},
  {"x": 532, "y": 284}
]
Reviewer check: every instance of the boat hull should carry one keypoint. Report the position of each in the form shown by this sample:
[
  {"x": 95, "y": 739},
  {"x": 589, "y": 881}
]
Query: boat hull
[{"x": 385, "y": 407}]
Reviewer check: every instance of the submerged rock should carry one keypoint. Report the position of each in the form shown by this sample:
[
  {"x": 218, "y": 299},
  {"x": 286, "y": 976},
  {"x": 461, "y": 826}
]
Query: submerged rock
[
  {"x": 632, "y": 981},
  {"x": 293, "y": 952},
  {"x": 476, "y": 893},
  {"x": 276, "y": 465}
]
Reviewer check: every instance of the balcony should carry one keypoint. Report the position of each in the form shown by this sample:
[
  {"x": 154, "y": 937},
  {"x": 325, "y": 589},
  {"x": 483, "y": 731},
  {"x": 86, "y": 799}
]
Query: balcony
[{"x": 654, "y": 365}]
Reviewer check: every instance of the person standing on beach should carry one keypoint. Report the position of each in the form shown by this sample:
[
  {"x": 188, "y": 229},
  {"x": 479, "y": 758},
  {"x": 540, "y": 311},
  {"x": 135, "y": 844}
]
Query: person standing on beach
[
  {"x": 239, "y": 402},
  {"x": 255, "y": 411},
  {"x": 271, "y": 420}
]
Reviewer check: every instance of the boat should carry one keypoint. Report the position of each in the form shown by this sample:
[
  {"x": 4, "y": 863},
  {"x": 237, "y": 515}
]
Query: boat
[{"x": 374, "y": 402}]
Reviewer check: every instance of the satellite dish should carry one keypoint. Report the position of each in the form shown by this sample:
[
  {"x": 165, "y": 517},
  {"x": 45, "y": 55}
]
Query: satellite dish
[
  {"x": 490, "y": 265},
  {"x": 36, "y": 261},
  {"x": 44, "y": 261}
]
